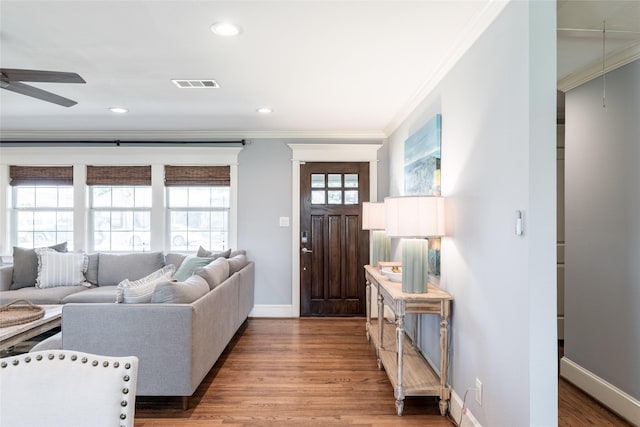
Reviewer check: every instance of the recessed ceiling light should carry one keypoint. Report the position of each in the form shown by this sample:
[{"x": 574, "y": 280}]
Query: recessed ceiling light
[
  {"x": 119, "y": 110},
  {"x": 264, "y": 110},
  {"x": 225, "y": 29}
]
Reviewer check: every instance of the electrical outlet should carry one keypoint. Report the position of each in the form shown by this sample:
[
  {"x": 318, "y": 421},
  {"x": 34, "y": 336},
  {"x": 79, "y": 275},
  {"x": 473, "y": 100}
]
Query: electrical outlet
[{"x": 479, "y": 391}]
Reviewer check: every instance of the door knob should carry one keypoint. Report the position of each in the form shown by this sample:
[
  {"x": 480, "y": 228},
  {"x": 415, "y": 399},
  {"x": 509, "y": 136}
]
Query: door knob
[{"x": 306, "y": 251}]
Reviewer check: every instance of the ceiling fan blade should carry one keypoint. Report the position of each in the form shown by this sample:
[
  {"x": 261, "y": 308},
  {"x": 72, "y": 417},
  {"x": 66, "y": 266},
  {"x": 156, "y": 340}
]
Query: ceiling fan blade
[
  {"x": 18, "y": 75},
  {"x": 34, "y": 92}
]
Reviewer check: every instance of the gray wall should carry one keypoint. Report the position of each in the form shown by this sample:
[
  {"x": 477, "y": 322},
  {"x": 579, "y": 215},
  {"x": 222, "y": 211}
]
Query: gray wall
[
  {"x": 602, "y": 255},
  {"x": 264, "y": 195},
  {"x": 498, "y": 156}
]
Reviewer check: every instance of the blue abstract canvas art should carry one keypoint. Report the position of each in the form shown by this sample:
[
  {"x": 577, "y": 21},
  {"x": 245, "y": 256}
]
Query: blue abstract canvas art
[{"x": 422, "y": 159}]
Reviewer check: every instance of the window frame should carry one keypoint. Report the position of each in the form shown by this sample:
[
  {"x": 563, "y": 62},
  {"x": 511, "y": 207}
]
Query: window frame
[
  {"x": 15, "y": 211},
  {"x": 91, "y": 210}
]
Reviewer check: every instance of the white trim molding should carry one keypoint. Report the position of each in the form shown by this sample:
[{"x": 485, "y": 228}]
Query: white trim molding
[
  {"x": 604, "y": 392},
  {"x": 613, "y": 62},
  {"x": 455, "y": 411},
  {"x": 265, "y": 310},
  {"x": 322, "y": 153},
  {"x": 465, "y": 40}
]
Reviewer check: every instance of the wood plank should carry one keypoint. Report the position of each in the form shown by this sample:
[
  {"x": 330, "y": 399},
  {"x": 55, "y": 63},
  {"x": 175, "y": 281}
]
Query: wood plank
[{"x": 418, "y": 378}]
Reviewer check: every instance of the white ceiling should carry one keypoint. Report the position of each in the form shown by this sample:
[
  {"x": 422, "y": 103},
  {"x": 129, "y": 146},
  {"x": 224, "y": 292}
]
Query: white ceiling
[{"x": 326, "y": 68}]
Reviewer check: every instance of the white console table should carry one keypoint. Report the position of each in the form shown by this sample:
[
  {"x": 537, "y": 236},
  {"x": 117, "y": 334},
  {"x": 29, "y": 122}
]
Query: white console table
[{"x": 410, "y": 374}]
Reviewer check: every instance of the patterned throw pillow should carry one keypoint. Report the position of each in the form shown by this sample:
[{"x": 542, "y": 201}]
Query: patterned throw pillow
[
  {"x": 61, "y": 268},
  {"x": 141, "y": 290}
]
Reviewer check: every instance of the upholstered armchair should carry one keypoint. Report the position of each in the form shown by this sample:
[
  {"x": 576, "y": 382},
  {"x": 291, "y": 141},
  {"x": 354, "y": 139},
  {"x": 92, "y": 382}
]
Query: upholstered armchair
[{"x": 67, "y": 388}]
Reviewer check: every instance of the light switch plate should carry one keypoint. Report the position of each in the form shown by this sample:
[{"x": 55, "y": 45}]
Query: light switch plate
[{"x": 284, "y": 221}]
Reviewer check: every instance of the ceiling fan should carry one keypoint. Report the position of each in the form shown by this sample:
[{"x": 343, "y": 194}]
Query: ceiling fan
[{"x": 12, "y": 79}]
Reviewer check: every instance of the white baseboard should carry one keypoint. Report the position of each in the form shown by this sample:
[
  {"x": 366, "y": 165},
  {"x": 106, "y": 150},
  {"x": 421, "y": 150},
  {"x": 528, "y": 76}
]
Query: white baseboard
[
  {"x": 264, "y": 310},
  {"x": 609, "y": 395},
  {"x": 455, "y": 408}
]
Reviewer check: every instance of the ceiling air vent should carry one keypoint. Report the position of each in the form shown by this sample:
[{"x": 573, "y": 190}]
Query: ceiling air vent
[{"x": 196, "y": 84}]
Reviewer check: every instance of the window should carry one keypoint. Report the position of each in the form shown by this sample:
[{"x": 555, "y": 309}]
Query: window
[
  {"x": 42, "y": 201},
  {"x": 120, "y": 208},
  {"x": 334, "y": 189},
  {"x": 198, "y": 201}
]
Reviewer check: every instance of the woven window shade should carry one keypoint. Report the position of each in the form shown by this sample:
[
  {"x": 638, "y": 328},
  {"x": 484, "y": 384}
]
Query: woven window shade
[
  {"x": 40, "y": 175},
  {"x": 209, "y": 176},
  {"x": 118, "y": 175}
]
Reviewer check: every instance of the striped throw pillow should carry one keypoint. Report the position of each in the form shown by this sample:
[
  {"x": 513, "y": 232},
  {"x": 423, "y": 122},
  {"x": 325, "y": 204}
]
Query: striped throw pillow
[
  {"x": 141, "y": 290},
  {"x": 61, "y": 268}
]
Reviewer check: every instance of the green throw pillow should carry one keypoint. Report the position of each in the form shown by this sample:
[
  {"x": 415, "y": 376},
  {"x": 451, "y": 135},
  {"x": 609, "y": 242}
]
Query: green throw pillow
[{"x": 190, "y": 264}]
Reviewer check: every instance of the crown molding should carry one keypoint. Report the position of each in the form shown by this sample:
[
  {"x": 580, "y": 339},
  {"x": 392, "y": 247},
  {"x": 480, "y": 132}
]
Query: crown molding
[
  {"x": 590, "y": 72},
  {"x": 170, "y": 135},
  {"x": 488, "y": 14}
]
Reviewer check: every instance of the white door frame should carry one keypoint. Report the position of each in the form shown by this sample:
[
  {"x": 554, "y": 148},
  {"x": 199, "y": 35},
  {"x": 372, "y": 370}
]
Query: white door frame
[{"x": 323, "y": 153}]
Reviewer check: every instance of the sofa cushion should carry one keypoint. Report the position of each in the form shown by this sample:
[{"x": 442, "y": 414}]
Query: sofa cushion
[
  {"x": 184, "y": 292},
  {"x": 60, "y": 268},
  {"x": 190, "y": 264},
  {"x": 237, "y": 263},
  {"x": 25, "y": 265},
  {"x": 99, "y": 294},
  {"x": 140, "y": 291},
  {"x": 202, "y": 252},
  {"x": 215, "y": 272},
  {"x": 114, "y": 268},
  {"x": 41, "y": 296}
]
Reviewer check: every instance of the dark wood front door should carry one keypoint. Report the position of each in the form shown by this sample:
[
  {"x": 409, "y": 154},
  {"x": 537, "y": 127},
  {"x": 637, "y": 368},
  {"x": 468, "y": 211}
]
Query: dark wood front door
[{"x": 333, "y": 246}]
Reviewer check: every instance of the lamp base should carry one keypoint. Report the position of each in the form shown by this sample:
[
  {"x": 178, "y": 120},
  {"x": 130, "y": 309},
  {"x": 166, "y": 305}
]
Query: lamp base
[
  {"x": 381, "y": 247},
  {"x": 415, "y": 266}
]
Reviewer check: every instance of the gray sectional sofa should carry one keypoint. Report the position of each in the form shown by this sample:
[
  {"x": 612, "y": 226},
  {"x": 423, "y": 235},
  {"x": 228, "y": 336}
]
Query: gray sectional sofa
[{"x": 177, "y": 341}]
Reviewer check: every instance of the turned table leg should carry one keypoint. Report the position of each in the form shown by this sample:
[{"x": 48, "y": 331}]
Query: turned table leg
[{"x": 399, "y": 392}]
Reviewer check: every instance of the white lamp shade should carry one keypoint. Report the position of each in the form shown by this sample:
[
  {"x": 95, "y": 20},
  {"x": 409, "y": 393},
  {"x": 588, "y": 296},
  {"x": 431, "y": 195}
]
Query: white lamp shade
[
  {"x": 372, "y": 216},
  {"x": 414, "y": 216}
]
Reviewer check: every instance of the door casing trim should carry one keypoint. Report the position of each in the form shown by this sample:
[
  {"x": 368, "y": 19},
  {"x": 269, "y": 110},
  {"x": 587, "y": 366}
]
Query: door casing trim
[{"x": 322, "y": 153}]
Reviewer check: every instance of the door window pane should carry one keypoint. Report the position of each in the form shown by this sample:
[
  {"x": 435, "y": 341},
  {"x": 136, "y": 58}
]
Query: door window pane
[
  {"x": 335, "y": 180},
  {"x": 351, "y": 197},
  {"x": 317, "y": 180},
  {"x": 351, "y": 180},
  {"x": 317, "y": 197},
  {"x": 335, "y": 197}
]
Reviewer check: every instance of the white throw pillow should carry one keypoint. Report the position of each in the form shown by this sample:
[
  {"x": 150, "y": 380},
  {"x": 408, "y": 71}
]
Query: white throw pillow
[
  {"x": 140, "y": 291},
  {"x": 61, "y": 268}
]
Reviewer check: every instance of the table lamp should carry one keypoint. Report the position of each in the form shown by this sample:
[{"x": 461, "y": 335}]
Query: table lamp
[
  {"x": 414, "y": 218},
  {"x": 373, "y": 219}
]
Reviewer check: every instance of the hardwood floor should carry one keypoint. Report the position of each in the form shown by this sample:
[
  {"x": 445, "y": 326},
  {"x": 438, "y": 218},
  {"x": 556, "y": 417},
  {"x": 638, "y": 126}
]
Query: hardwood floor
[
  {"x": 317, "y": 372},
  {"x": 294, "y": 372}
]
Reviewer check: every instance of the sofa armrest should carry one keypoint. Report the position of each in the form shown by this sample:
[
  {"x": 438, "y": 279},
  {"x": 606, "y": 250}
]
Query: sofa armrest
[
  {"x": 160, "y": 335},
  {"x": 6, "y": 277}
]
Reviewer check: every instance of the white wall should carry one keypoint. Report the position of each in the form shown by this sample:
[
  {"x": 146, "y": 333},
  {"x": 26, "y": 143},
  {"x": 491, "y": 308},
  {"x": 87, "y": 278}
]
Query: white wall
[
  {"x": 498, "y": 156},
  {"x": 602, "y": 271}
]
